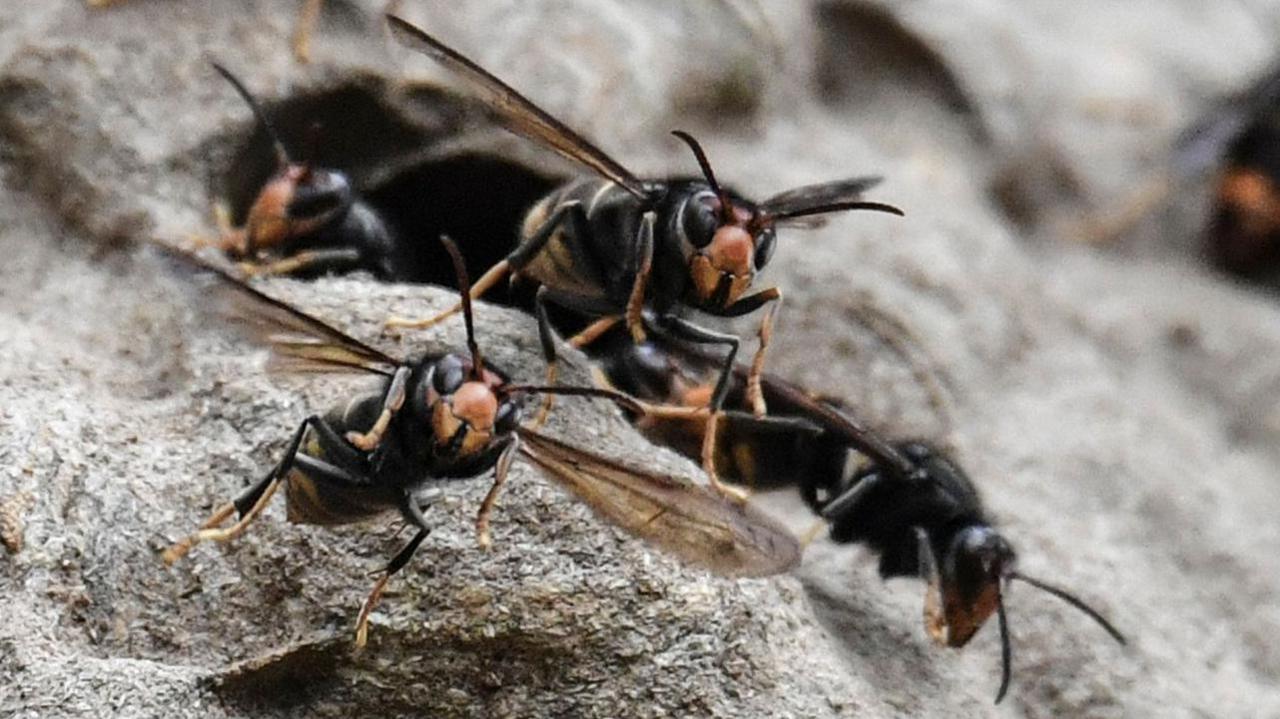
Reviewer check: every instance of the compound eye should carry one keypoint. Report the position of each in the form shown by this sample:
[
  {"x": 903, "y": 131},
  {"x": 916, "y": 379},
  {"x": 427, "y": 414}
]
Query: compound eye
[
  {"x": 448, "y": 375},
  {"x": 508, "y": 418},
  {"x": 700, "y": 218},
  {"x": 765, "y": 245}
]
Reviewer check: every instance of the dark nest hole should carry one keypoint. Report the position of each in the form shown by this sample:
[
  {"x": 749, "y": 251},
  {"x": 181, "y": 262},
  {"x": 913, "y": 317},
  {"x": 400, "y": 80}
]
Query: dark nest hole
[
  {"x": 348, "y": 128},
  {"x": 477, "y": 198}
]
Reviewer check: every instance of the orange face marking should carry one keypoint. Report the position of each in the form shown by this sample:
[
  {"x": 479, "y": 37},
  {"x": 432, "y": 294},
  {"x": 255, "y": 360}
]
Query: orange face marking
[
  {"x": 951, "y": 620},
  {"x": 475, "y": 404},
  {"x": 729, "y": 254},
  {"x": 731, "y": 249},
  {"x": 1255, "y": 199},
  {"x": 705, "y": 277},
  {"x": 268, "y": 222}
]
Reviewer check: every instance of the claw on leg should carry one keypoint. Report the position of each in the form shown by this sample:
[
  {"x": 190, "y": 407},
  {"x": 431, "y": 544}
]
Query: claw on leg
[
  {"x": 729, "y": 492},
  {"x": 370, "y": 603},
  {"x": 478, "y": 288},
  {"x": 499, "y": 480},
  {"x": 209, "y": 532}
]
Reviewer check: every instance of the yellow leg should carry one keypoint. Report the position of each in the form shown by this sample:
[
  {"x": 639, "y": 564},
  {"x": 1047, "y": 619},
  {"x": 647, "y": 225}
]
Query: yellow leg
[
  {"x": 370, "y": 603},
  {"x": 548, "y": 400},
  {"x": 306, "y": 25},
  {"x": 755, "y": 396},
  {"x": 275, "y": 267},
  {"x": 369, "y": 441},
  {"x": 709, "y": 464},
  {"x": 1137, "y": 205},
  {"x": 592, "y": 332},
  {"x": 219, "y": 516},
  {"x": 674, "y": 411},
  {"x": 490, "y": 499},
  {"x": 635, "y": 303},
  {"x": 209, "y": 534},
  {"x": 229, "y": 239},
  {"x": 180, "y": 548},
  {"x": 483, "y": 285}
]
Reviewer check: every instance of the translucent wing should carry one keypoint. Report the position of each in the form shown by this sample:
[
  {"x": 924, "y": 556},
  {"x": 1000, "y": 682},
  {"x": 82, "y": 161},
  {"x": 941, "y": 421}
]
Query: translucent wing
[
  {"x": 685, "y": 520},
  {"x": 298, "y": 341},
  {"x": 523, "y": 116}
]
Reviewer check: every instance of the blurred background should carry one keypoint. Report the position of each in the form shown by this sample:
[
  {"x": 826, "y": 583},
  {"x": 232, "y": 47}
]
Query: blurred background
[{"x": 1088, "y": 265}]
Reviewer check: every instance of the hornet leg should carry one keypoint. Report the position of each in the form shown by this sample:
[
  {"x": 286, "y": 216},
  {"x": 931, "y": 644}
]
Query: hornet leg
[
  {"x": 755, "y": 397},
  {"x": 742, "y": 307},
  {"x": 306, "y": 259},
  {"x": 593, "y": 331},
  {"x": 547, "y": 334},
  {"x": 643, "y": 264},
  {"x": 571, "y": 211},
  {"x": 413, "y": 514},
  {"x": 228, "y": 237},
  {"x": 683, "y": 329},
  {"x": 369, "y": 441},
  {"x": 751, "y": 303},
  {"x": 499, "y": 479},
  {"x": 306, "y": 26},
  {"x": 253, "y": 500}
]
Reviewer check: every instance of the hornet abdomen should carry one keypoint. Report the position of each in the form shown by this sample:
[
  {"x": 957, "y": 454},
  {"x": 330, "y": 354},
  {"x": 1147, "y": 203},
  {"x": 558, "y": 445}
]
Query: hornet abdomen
[
  {"x": 314, "y": 500},
  {"x": 594, "y": 266}
]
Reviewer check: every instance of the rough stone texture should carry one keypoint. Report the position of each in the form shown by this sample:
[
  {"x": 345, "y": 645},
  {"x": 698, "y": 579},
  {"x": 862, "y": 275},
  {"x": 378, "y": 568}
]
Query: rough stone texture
[{"x": 1117, "y": 408}]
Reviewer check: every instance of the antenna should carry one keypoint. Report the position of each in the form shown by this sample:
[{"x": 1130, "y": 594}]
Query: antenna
[
  {"x": 834, "y": 207},
  {"x": 1006, "y": 646},
  {"x": 630, "y": 403},
  {"x": 282, "y": 156},
  {"x": 1074, "y": 601},
  {"x": 1006, "y": 649},
  {"x": 726, "y": 208},
  {"x": 464, "y": 287}
]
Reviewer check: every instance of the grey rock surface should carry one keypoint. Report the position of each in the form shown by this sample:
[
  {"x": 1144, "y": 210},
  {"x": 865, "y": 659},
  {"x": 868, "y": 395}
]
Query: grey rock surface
[{"x": 1118, "y": 409}]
